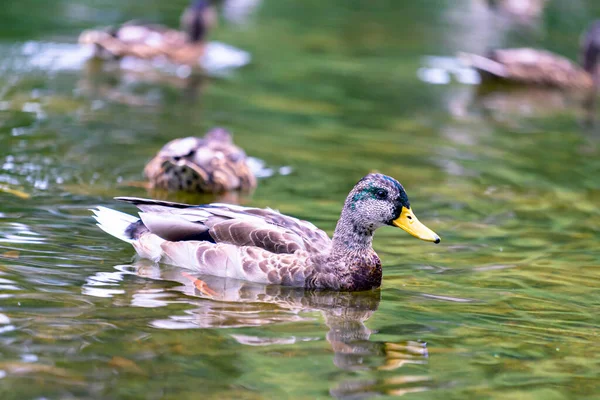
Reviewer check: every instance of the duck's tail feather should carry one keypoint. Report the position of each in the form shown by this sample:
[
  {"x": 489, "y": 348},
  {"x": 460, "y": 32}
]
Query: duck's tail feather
[
  {"x": 116, "y": 223},
  {"x": 149, "y": 205}
]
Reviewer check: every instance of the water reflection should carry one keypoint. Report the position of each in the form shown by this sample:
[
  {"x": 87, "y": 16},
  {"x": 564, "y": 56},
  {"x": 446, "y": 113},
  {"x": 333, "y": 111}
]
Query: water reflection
[
  {"x": 335, "y": 95},
  {"x": 502, "y": 104},
  {"x": 44, "y": 56},
  {"x": 437, "y": 70},
  {"x": 15, "y": 232},
  {"x": 220, "y": 59},
  {"x": 239, "y": 11},
  {"x": 119, "y": 81},
  {"x": 228, "y": 303},
  {"x": 137, "y": 83}
]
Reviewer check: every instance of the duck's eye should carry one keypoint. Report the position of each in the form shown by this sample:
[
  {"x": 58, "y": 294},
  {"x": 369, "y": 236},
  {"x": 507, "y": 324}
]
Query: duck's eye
[{"x": 381, "y": 194}]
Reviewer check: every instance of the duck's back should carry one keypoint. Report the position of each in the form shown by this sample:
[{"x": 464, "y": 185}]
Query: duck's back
[
  {"x": 145, "y": 41},
  {"x": 200, "y": 165},
  {"x": 153, "y": 35},
  {"x": 533, "y": 67},
  {"x": 226, "y": 223},
  {"x": 259, "y": 245}
]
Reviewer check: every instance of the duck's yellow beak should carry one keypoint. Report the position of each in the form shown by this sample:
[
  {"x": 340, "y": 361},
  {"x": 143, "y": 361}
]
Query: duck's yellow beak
[{"x": 409, "y": 222}]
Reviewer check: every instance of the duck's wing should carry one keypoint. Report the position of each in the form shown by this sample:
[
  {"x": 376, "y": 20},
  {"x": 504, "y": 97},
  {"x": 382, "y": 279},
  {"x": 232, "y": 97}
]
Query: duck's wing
[
  {"x": 136, "y": 38},
  {"x": 117, "y": 47},
  {"x": 315, "y": 238},
  {"x": 140, "y": 32},
  {"x": 484, "y": 64},
  {"x": 223, "y": 223},
  {"x": 226, "y": 164}
]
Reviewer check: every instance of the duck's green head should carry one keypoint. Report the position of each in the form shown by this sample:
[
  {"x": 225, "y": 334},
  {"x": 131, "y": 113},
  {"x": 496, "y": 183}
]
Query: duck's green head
[
  {"x": 198, "y": 18},
  {"x": 378, "y": 200}
]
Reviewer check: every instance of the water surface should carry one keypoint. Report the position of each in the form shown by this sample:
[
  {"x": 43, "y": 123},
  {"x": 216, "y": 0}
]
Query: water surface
[{"x": 506, "y": 307}]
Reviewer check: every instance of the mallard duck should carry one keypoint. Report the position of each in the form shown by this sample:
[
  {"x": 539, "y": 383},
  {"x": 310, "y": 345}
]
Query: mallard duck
[
  {"x": 539, "y": 67},
  {"x": 212, "y": 164},
  {"x": 264, "y": 246},
  {"x": 148, "y": 41}
]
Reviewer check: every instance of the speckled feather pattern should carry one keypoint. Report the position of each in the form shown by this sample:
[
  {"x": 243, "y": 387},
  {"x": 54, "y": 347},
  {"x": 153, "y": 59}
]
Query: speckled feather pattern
[
  {"x": 211, "y": 164},
  {"x": 539, "y": 67},
  {"x": 145, "y": 42}
]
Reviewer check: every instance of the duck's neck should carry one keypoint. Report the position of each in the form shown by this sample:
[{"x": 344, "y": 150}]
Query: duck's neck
[
  {"x": 358, "y": 267},
  {"x": 196, "y": 29},
  {"x": 351, "y": 237},
  {"x": 591, "y": 51}
]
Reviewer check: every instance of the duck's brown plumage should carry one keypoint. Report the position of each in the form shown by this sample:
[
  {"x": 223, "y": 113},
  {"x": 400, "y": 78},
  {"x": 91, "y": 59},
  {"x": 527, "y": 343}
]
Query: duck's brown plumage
[
  {"x": 148, "y": 41},
  {"x": 532, "y": 67},
  {"x": 262, "y": 245},
  {"x": 529, "y": 66},
  {"x": 211, "y": 164}
]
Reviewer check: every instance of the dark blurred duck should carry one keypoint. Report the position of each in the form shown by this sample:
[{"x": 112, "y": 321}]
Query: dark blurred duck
[
  {"x": 528, "y": 66},
  {"x": 149, "y": 41},
  {"x": 212, "y": 164}
]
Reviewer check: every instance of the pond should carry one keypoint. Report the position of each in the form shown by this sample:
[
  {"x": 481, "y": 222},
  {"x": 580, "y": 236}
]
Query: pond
[{"x": 506, "y": 307}]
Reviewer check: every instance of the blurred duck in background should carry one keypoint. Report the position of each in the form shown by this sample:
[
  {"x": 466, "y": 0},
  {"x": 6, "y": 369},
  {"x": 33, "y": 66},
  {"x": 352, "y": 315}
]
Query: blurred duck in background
[
  {"x": 527, "y": 66},
  {"x": 148, "y": 41},
  {"x": 212, "y": 164}
]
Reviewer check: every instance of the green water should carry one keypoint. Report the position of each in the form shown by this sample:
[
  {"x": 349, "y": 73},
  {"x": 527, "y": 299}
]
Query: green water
[{"x": 506, "y": 307}]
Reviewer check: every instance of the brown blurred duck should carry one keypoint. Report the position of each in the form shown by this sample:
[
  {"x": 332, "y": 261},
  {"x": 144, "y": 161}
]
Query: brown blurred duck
[
  {"x": 148, "y": 41},
  {"x": 528, "y": 66},
  {"x": 265, "y": 246},
  {"x": 211, "y": 164}
]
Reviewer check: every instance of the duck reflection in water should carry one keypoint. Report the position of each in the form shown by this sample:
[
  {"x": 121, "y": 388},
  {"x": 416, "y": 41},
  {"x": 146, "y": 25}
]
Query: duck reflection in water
[
  {"x": 512, "y": 105},
  {"x": 230, "y": 303},
  {"x": 137, "y": 84}
]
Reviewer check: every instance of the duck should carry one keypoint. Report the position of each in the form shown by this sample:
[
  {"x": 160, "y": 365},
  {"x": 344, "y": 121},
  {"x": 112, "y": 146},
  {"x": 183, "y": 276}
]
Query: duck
[
  {"x": 149, "y": 41},
  {"x": 527, "y": 66},
  {"x": 265, "y": 246},
  {"x": 209, "y": 164}
]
